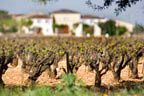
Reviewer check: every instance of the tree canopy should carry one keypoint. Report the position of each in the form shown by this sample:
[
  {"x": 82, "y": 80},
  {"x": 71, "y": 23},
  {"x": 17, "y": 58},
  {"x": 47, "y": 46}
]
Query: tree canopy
[
  {"x": 111, "y": 29},
  {"x": 121, "y": 5},
  {"x": 138, "y": 29},
  {"x": 8, "y": 24},
  {"x": 4, "y": 15},
  {"x": 44, "y": 1}
]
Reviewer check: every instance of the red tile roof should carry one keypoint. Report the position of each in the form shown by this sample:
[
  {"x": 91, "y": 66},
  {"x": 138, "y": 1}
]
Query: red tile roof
[
  {"x": 39, "y": 16},
  {"x": 17, "y": 15},
  {"x": 64, "y": 11},
  {"x": 90, "y": 17}
]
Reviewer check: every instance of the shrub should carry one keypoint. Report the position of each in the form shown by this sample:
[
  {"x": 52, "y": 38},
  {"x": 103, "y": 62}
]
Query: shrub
[
  {"x": 88, "y": 29},
  {"x": 138, "y": 29},
  {"x": 121, "y": 30},
  {"x": 108, "y": 27}
]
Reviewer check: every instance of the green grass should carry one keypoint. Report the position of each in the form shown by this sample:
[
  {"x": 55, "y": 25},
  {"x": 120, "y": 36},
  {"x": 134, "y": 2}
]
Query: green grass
[
  {"x": 68, "y": 88},
  {"x": 64, "y": 91},
  {"x": 46, "y": 91}
]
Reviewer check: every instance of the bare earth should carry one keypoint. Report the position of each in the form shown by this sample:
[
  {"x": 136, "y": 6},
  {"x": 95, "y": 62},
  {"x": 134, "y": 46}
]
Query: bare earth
[{"x": 15, "y": 76}]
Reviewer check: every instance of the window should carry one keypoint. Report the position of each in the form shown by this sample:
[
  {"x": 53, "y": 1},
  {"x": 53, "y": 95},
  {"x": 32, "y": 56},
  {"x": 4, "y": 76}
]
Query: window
[
  {"x": 66, "y": 19},
  {"x": 46, "y": 21},
  {"x": 47, "y": 30},
  {"x": 38, "y": 21}
]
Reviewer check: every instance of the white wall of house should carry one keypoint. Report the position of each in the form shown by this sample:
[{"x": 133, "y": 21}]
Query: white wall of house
[
  {"x": 27, "y": 30},
  {"x": 97, "y": 31},
  {"x": 93, "y": 22},
  {"x": 129, "y": 26},
  {"x": 79, "y": 30},
  {"x": 103, "y": 20},
  {"x": 90, "y": 21},
  {"x": 45, "y": 24},
  {"x": 67, "y": 19}
]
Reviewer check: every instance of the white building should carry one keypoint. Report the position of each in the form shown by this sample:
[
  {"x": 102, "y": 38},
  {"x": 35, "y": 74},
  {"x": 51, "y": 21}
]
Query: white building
[
  {"x": 78, "y": 31},
  {"x": 44, "y": 22},
  {"x": 18, "y": 17},
  {"x": 41, "y": 24},
  {"x": 93, "y": 21},
  {"x": 66, "y": 17},
  {"x": 129, "y": 26},
  {"x": 65, "y": 21},
  {"x": 97, "y": 31}
]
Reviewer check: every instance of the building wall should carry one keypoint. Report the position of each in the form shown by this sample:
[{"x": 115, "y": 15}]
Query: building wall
[
  {"x": 103, "y": 20},
  {"x": 44, "y": 24},
  {"x": 93, "y": 22},
  {"x": 97, "y": 31},
  {"x": 18, "y": 18},
  {"x": 79, "y": 30},
  {"x": 67, "y": 19},
  {"x": 90, "y": 22},
  {"x": 129, "y": 26}
]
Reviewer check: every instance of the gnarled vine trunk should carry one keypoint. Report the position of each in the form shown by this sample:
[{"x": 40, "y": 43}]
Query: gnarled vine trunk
[{"x": 97, "y": 79}]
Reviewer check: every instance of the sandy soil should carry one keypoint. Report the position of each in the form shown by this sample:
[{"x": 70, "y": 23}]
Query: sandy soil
[{"x": 16, "y": 76}]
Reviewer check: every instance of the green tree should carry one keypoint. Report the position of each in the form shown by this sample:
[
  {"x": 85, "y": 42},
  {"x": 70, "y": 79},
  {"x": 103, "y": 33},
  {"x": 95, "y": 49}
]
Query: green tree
[
  {"x": 10, "y": 26},
  {"x": 24, "y": 22},
  {"x": 138, "y": 29},
  {"x": 4, "y": 15},
  {"x": 88, "y": 29},
  {"x": 121, "y": 5},
  {"x": 7, "y": 24},
  {"x": 1, "y": 29},
  {"x": 108, "y": 27},
  {"x": 121, "y": 30},
  {"x": 44, "y": 1}
]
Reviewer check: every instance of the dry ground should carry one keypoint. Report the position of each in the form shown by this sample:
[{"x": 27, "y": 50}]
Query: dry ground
[{"x": 15, "y": 76}]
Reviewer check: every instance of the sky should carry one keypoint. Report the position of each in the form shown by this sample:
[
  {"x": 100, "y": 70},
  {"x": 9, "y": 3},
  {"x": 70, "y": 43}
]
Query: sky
[{"x": 135, "y": 14}]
